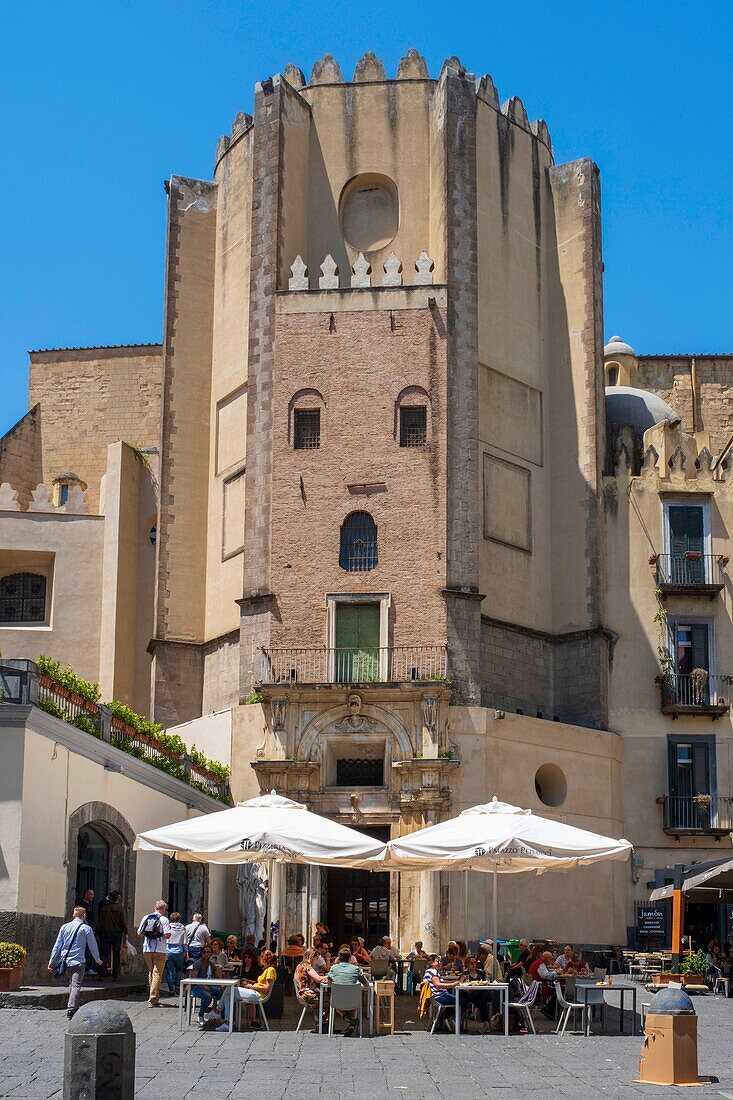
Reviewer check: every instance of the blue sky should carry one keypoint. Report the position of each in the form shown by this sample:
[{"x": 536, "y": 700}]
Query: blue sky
[{"x": 103, "y": 101}]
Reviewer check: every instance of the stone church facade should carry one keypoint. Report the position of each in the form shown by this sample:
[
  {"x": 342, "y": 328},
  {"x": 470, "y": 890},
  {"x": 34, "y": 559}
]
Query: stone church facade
[{"x": 392, "y": 524}]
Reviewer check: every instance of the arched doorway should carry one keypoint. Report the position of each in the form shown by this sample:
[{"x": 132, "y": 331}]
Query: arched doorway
[{"x": 92, "y": 867}]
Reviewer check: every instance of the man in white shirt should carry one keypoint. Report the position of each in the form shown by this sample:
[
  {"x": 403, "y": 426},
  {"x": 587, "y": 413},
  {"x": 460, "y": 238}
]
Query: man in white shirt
[
  {"x": 155, "y": 928},
  {"x": 197, "y": 936}
]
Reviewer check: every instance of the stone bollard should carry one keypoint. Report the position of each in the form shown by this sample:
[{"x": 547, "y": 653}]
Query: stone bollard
[{"x": 99, "y": 1055}]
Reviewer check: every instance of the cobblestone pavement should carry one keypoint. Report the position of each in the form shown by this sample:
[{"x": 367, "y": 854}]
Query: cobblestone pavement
[{"x": 284, "y": 1066}]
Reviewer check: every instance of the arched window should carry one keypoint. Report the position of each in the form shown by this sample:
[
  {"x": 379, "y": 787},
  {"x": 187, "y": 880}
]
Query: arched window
[
  {"x": 412, "y": 417},
  {"x": 359, "y": 552},
  {"x": 23, "y": 598},
  {"x": 612, "y": 375}
]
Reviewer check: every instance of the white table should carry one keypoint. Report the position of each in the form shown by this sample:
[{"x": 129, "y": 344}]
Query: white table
[
  {"x": 502, "y": 988},
  {"x": 621, "y": 988},
  {"x": 185, "y": 1001},
  {"x": 368, "y": 986}
]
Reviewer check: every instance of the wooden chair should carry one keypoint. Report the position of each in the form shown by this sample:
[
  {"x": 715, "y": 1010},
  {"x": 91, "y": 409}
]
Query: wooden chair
[{"x": 384, "y": 993}]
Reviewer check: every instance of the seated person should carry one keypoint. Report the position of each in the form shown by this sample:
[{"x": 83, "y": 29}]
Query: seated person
[
  {"x": 352, "y": 957},
  {"x": 308, "y": 982},
  {"x": 515, "y": 969},
  {"x": 450, "y": 962},
  {"x": 251, "y": 969},
  {"x": 484, "y": 1001},
  {"x": 562, "y": 962},
  {"x": 250, "y": 992},
  {"x": 384, "y": 950},
  {"x": 577, "y": 966},
  {"x": 322, "y": 929},
  {"x": 321, "y": 957},
  {"x": 360, "y": 953},
  {"x": 219, "y": 955},
  {"x": 487, "y": 961},
  {"x": 205, "y": 968},
  {"x": 442, "y": 990},
  {"x": 344, "y": 972},
  {"x": 233, "y": 952},
  {"x": 294, "y": 949},
  {"x": 540, "y": 971},
  {"x": 461, "y": 952},
  {"x": 417, "y": 951}
]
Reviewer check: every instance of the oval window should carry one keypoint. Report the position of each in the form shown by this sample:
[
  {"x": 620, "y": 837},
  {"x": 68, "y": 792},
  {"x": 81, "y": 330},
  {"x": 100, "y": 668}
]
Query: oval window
[
  {"x": 551, "y": 785},
  {"x": 369, "y": 212}
]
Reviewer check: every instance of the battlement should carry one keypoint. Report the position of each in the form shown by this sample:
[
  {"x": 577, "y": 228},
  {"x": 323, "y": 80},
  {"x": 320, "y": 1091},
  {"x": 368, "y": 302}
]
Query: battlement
[
  {"x": 370, "y": 70},
  {"x": 42, "y": 500}
]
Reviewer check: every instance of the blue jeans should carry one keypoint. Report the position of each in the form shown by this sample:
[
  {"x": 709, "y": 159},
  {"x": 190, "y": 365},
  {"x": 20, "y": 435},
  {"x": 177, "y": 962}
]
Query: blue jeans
[
  {"x": 206, "y": 993},
  {"x": 174, "y": 966}
]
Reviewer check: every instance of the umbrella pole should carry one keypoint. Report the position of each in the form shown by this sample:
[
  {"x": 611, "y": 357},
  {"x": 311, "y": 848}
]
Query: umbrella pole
[
  {"x": 495, "y": 919},
  {"x": 465, "y": 906}
]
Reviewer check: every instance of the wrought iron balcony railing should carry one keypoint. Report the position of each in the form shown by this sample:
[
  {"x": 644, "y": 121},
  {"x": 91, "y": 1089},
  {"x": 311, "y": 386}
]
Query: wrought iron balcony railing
[
  {"x": 695, "y": 694},
  {"x": 383, "y": 664},
  {"x": 690, "y": 572},
  {"x": 698, "y": 813}
]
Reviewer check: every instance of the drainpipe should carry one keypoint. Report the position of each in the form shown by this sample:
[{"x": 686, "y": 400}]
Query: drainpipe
[{"x": 693, "y": 385}]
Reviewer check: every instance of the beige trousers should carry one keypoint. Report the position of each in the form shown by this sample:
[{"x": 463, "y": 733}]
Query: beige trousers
[{"x": 155, "y": 961}]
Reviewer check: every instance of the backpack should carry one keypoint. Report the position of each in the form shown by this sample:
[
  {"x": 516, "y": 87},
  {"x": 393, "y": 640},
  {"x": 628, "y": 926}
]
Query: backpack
[{"x": 152, "y": 929}]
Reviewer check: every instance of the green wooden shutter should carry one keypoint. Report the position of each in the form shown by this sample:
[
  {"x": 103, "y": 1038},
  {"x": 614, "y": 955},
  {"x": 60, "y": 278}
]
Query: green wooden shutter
[
  {"x": 685, "y": 529},
  {"x": 700, "y": 648},
  {"x": 357, "y": 642}
]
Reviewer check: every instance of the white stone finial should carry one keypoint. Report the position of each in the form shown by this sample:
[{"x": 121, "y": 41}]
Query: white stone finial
[
  {"x": 42, "y": 501},
  {"x": 362, "y": 272},
  {"x": 424, "y": 267},
  {"x": 299, "y": 280},
  {"x": 8, "y": 498},
  {"x": 329, "y": 279},
  {"x": 76, "y": 501},
  {"x": 392, "y": 271}
]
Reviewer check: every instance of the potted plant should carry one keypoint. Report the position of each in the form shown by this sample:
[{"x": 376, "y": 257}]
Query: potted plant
[
  {"x": 693, "y": 968},
  {"x": 12, "y": 957}
]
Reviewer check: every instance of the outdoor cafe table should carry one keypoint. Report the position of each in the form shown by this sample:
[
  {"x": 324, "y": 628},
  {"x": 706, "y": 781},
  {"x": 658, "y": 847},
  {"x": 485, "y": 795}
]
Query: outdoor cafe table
[
  {"x": 581, "y": 990},
  {"x": 502, "y": 988},
  {"x": 185, "y": 1001},
  {"x": 368, "y": 986}
]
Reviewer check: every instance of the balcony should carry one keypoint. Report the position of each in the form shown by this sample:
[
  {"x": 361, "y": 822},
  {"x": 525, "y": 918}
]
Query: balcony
[
  {"x": 695, "y": 695},
  {"x": 700, "y": 814},
  {"x": 690, "y": 574},
  {"x": 381, "y": 665}
]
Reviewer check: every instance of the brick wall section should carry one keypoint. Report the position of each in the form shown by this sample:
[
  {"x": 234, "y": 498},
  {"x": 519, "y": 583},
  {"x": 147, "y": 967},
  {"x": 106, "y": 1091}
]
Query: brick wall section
[
  {"x": 89, "y": 398},
  {"x": 20, "y": 455},
  {"x": 671, "y": 378},
  {"x": 184, "y": 450},
  {"x": 360, "y": 369},
  {"x": 463, "y": 616},
  {"x": 273, "y": 105}
]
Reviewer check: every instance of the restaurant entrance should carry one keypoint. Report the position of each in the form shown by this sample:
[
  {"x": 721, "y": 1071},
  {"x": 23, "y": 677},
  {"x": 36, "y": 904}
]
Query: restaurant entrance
[{"x": 357, "y": 902}]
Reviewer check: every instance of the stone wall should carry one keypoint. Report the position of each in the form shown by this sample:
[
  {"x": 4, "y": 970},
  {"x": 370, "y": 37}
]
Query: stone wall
[
  {"x": 671, "y": 378},
  {"x": 221, "y": 673},
  {"x": 20, "y": 456},
  {"x": 89, "y": 398}
]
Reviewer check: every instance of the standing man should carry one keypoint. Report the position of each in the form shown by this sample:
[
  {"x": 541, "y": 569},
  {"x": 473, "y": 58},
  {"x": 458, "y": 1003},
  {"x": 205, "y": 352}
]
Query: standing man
[
  {"x": 86, "y": 902},
  {"x": 155, "y": 928},
  {"x": 111, "y": 927},
  {"x": 72, "y": 942},
  {"x": 196, "y": 938}
]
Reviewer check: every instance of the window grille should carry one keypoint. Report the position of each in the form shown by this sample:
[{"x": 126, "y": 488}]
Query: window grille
[
  {"x": 413, "y": 426},
  {"x": 23, "y": 598},
  {"x": 360, "y": 773},
  {"x": 307, "y": 429},
  {"x": 64, "y": 493},
  {"x": 612, "y": 376},
  {"x": 359, "y": 551}
]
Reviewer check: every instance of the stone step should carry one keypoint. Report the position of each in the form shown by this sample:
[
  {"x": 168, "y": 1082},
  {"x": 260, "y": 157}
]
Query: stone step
[{"x": 55, "y": 996}]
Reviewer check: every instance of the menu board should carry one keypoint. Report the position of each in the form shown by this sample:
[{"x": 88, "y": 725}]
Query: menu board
[{"x": 653, "y": 921}]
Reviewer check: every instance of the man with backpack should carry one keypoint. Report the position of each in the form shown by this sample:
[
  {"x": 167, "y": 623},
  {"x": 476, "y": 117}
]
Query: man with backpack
[{"x": 155, "y": 929}]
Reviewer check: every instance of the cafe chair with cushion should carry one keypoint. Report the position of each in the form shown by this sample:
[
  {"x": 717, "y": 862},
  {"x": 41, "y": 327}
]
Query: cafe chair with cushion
[
  {"x": 345, "y": 998},
  {"x": 599, "y": 973},
  {"x": 379, "y": 968},
  {"x": 566, "y": 1009},
  {"x": 525, "y": 1005}
]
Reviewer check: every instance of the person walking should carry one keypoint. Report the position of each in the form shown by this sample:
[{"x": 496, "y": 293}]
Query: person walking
[
  {"x": 69, "y": 950},
  {"x": 197, "y": 936},
  {"x": 155, "y": 928},
  {"x": 177, "y": 955},
  {"x": 111, "y": 928}
]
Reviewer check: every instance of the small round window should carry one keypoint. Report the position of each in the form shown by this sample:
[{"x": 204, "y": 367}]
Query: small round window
[
  {"x": 551, "y": 785},
  {"x": 369, "y": 212}
]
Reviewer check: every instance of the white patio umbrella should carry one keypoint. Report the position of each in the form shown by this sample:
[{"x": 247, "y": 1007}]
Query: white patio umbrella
[
  {"x": 501, "y": 839},
  {"x": 266, "y": 828}
]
